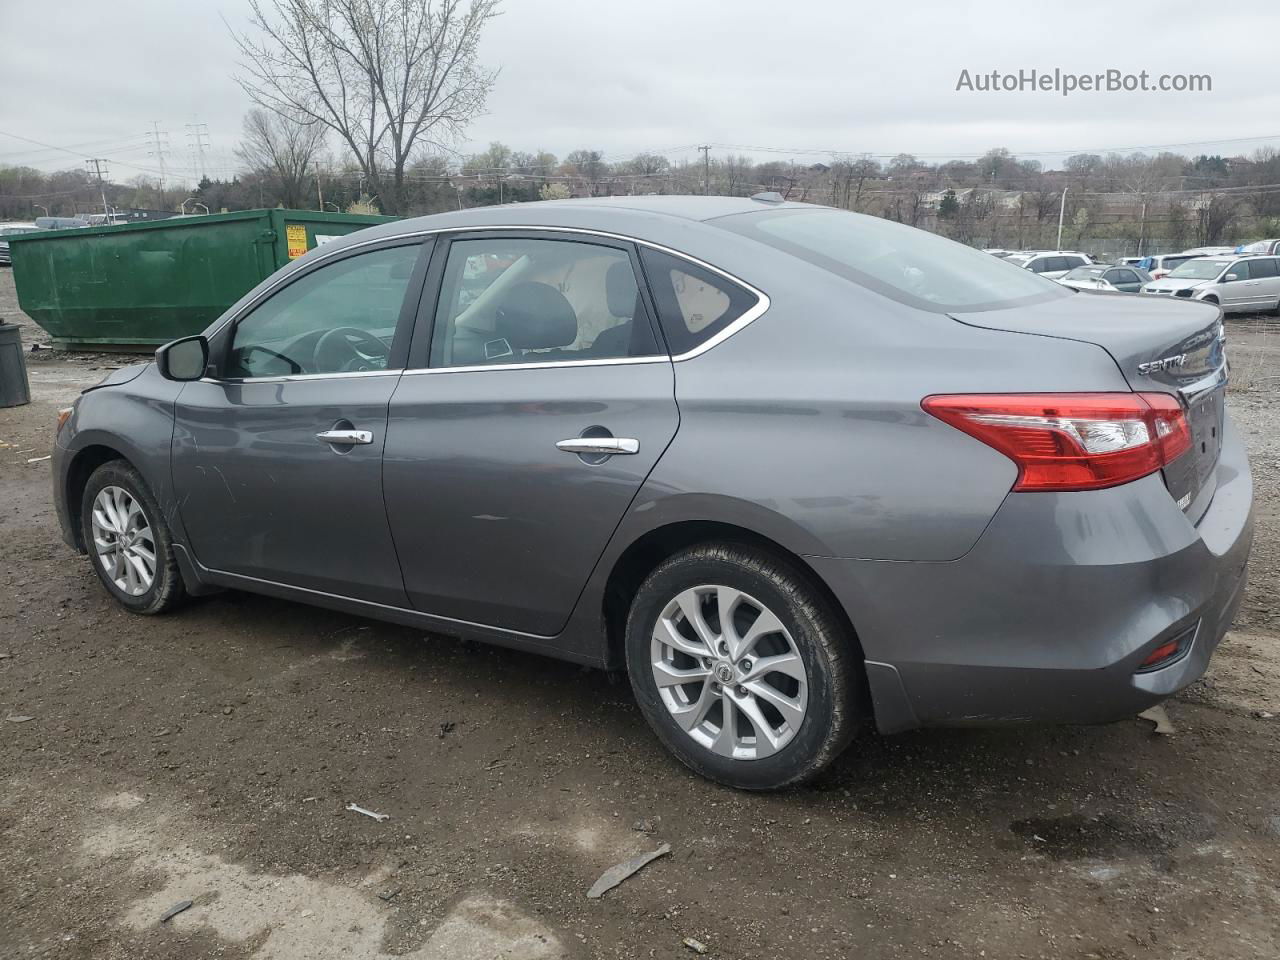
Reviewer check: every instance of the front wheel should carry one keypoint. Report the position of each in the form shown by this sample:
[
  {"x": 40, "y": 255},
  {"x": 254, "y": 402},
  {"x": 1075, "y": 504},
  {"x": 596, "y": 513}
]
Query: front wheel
[
  {"x": 128, "y": 540},
  {"x": 742, "y": 668}
]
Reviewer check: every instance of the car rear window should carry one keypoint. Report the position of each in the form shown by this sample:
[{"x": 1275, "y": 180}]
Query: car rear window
[
  {"x": 899, "y": 262},
  {"x": 694, "y": 304}
]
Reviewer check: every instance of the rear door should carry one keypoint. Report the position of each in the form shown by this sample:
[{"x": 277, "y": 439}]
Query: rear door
[
  {"x": 279, "y": 457},
  {"x": 537, "y": 401},
  {"x": 1266, "y": 271}
]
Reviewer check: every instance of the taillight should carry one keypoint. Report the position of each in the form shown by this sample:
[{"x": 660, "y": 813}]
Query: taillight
[{"x": 1072, "y": 441}]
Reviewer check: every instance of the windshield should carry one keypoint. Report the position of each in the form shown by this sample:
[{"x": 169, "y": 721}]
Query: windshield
[
  {"x": 896, "y": 261},
  {"x": 1199, "y": 269},
  {"x": 1085, "y": 273}
]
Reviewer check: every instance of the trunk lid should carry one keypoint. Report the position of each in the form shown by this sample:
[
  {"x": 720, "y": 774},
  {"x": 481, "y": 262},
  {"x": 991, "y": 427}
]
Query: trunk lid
[{"x": 1170, "y": 346}]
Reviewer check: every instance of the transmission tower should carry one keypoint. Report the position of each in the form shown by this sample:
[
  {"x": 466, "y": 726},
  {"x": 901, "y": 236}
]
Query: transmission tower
[
  {"x": 198, "y": 142},
  {"x": 159, "y": 150}
]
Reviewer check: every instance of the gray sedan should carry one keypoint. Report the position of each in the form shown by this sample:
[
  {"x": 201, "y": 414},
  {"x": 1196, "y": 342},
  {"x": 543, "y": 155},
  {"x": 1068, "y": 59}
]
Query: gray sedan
[
  {"x": 1118, "y": 278},
  {"x": 799, "y": 472}
]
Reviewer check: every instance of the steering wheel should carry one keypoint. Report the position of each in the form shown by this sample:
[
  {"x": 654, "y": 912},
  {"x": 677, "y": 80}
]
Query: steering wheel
[{"x": 350, "y": 349}]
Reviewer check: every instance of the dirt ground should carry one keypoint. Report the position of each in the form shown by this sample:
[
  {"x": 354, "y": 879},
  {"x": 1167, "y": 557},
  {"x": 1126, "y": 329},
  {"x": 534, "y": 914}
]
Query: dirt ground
[{"x": 208, "y": 757}]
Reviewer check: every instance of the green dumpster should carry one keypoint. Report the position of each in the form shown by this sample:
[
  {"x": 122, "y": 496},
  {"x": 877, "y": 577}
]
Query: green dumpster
[{"x": 136, "y": 286}]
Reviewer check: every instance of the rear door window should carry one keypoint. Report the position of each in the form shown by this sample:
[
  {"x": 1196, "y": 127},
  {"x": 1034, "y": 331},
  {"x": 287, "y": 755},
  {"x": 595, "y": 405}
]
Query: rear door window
[
  {"x": 521, "y": 300},
  {"x": 694, "y": 304},
  {"x": 1261, "y": 269}
]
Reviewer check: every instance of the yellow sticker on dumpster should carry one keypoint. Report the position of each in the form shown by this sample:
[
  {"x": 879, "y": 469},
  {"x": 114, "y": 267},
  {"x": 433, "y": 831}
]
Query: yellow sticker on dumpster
[{"x": 295, "y": 234}]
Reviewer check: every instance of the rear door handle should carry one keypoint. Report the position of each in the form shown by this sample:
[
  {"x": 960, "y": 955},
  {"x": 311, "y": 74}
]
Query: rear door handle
[
  {"x": 599, "y": 445},
  {"x": 345, "y": 436}
]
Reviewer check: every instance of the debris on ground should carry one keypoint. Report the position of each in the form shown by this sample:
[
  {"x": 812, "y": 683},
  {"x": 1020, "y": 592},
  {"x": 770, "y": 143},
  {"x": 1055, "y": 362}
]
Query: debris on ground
[
  {"x": 40, "y": 459},
  {"x": 1157, "y": 716},
  {"x": 1263, "y": 714},
  {"x": 5, "y": 656},
  {"x": 380, "y": 817},
  {"x": 446, "y": 728},
  {"x": 18, "y": 719},
  {"x": 310, "y": 799},
  {"x": 176, "y": 909},
  {"x": 697, "y": 946},
  {"x": 643, "y": 826},
  {"x": 389, "y": 895},
  {"x": 616, "y": 874}
]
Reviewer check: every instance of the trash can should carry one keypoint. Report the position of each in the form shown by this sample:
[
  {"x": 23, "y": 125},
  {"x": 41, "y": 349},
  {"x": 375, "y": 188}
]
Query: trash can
[
  {"x": 14, "y": 388},
  {"x": 139, "y": 285}
]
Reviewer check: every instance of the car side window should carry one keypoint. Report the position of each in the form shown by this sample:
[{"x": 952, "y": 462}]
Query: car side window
[
  {"x": 694, "y": 304},
  {"x": 339, "y": 318},
  {"x": 1239, "y": 270},
  {"x": 1123, "y": 276},
  {"x": 1038, "y": 265},
  {"x": 505, "y": 301},
  {"x": 1261, "y": 269}
]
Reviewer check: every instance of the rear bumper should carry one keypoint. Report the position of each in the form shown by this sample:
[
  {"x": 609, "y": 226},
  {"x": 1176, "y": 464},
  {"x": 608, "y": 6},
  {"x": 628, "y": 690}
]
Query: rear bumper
[{"x": 1051, "y": 613}]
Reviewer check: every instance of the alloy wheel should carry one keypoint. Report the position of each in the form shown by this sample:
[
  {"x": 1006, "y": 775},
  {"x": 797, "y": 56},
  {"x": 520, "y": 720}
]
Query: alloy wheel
[
  {"x": 729, "y": 673},
  {"x": 123, "y": 540}
]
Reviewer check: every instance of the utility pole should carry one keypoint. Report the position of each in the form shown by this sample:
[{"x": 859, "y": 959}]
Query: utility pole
[
  {"x": 97, "y": 163},
  {"x": 159, "y": 150},
  {"x": 706, "y": 170},
  {"x": 198, "y": 141},
  {"x": 1061, "y": 211}
]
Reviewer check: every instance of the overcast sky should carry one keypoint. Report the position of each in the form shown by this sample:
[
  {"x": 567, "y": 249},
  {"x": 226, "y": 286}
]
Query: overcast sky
[{"x": 663, "y": 75}]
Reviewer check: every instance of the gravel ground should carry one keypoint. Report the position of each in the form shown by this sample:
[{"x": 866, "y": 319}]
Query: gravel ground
[{"x": 208, "y": 757}]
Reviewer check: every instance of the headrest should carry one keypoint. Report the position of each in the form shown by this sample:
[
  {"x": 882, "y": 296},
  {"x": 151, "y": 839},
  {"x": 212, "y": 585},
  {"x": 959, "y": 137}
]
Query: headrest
[
  {"x": 536, "y": 316},
  {"x": 620, "y": 288}
]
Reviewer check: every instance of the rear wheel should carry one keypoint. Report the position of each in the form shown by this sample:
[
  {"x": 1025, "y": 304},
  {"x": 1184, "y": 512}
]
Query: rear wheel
[
  {"x": 741, "y": 667},
  {"x": 128, "y": 540}
]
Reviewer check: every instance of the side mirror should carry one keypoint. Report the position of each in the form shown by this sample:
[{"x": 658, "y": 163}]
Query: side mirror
[
  {"x": 1229, "y": 277},
  {"x": 185, "y": 359}
]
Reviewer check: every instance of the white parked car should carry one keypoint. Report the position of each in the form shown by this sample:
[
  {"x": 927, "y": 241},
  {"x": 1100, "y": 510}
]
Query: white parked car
[
  {"x": 1237, "y": 284},
  {"x": 1050, "y": 264}
]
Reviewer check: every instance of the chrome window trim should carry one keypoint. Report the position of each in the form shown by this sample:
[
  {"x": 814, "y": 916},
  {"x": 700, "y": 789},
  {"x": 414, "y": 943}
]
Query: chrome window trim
[
  {"x": 754, "y": 313},
  {"x": 484, "y": 367},
  {"x": 289, "y": 378}
]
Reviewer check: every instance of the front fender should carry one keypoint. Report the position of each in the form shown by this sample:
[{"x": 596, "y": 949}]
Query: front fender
[{"x": 133, "y": 420}]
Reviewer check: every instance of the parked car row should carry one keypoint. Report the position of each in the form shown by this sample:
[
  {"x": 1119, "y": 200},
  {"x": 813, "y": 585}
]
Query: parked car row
[{"x": 11, "y": 230}]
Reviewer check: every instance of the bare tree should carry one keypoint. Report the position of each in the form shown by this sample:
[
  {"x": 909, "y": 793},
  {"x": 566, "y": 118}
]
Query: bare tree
[
  {"x": 386, "y": 76},
  {"x": 1214, "y": 214},
  {"x": 283, "y": 151}
]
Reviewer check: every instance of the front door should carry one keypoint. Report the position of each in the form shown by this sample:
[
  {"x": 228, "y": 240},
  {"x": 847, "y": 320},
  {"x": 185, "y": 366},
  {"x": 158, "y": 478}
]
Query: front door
[
  {"x": 539, "y": 405},
  {"x": 279, "y": 456},
  {"x": 1239, "y": 293}
]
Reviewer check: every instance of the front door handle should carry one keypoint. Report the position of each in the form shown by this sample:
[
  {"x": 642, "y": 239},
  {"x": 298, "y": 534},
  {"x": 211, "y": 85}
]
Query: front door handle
[
  {"x": 345, "y": 436},
  {"x": 600, "y": 446}
]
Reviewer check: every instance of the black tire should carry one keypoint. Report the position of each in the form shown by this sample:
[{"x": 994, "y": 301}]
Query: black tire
[
  {"x": 817, "y": 633},
  {"x": 166, "y": 590}
]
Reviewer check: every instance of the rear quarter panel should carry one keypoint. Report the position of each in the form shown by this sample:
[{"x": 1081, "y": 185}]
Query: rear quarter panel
[{"x": 806, "y": 425}]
